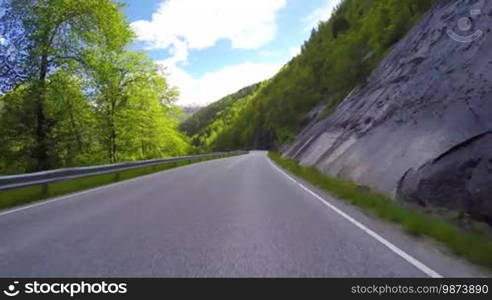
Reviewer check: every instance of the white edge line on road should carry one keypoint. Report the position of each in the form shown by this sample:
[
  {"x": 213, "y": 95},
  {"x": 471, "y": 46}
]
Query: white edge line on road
[
  {"x": 419, "y": 265},
  {"x": 96, "y": 189}
]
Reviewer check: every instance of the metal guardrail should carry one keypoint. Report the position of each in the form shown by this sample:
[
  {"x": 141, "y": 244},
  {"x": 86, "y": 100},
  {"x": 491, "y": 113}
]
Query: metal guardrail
[{"x": 43, "y": 178}]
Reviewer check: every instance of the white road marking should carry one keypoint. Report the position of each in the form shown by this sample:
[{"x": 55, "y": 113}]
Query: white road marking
[
  {"x": 412, "y": 260},
  {"x": 419, "y": 265}
]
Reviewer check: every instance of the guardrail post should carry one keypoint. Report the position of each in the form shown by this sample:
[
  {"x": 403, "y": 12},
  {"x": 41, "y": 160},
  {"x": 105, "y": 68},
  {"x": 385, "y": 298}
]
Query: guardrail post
[{"x": 117, "y": 176}]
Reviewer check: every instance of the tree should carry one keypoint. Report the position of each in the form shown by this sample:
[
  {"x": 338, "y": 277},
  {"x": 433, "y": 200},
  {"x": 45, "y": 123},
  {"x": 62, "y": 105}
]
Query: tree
[
  {"x": 134, "y": 106},
  {"x": 74, "y": 134},
  {"x": 340, "y": 25},
  {"x": 42, "y": 36},
  {"x": 16, "y": 131},
  {"x": 71, "y": 93}
]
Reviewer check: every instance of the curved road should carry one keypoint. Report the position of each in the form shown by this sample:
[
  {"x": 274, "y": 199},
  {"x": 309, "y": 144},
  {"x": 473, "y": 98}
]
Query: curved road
[{"x": 238, "y": 216}]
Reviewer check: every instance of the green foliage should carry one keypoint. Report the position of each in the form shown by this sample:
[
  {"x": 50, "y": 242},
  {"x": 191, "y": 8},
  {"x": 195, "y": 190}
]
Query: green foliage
[
  {"x": 340, "y": 25},
  {"x": 214, "y": 121},
  {"x": 86, "y": 99},
  {"x": 205, "y": 116},
  {"x": 473, "y": 245},
  {"x": 338, "y": 57},
  {"x": 134, "y": 108},
  {"x": 73, "y": 138},
  {"x": 58, "y": 34},
  {"x": 16, "y": 131}
]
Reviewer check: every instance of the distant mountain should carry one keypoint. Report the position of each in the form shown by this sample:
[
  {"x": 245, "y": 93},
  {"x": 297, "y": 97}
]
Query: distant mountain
[
  {"x": 188, "y": 111},
  {"x": 197, "y": 124}
]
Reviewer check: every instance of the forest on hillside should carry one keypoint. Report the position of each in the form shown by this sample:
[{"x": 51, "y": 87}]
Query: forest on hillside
[
  {"x": 72, "y": 94},
  {"x": 338, "y": 56},
  {"x": 209, "y": 122}
]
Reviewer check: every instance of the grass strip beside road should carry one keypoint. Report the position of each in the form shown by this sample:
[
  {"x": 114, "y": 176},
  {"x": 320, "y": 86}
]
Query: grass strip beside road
[
  {"x": 21, "y": 196},
  {"x": 474, "y": 246}
]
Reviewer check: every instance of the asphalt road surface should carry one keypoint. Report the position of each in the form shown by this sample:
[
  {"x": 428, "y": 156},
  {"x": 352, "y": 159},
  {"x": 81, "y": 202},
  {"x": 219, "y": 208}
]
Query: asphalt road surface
[{"x": 239, "y": 217}]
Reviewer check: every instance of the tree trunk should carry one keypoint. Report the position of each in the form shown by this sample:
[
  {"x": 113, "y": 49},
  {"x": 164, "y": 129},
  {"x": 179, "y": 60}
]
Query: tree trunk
[
  {"x": 112, "y": 134},
  {"x": 41, "y": 149},
  {"x": 113, "y": 145}
]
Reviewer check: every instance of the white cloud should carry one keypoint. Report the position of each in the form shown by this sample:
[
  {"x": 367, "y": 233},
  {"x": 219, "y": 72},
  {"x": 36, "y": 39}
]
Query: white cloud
[
  {"x": 268, "y": 53},
  {"x": 214, "y": 85},
  {"x": 320, "y": 14},
  {"x": 199, "y": 24},
  {"x": 183, "y": 25},
  {"x": 178, "y": 51}
]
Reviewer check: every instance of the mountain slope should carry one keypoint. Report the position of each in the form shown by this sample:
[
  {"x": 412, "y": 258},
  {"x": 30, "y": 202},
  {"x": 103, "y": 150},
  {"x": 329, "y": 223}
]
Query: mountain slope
[
  {"x": 203, "y": 117},
  {"x": 206, "y": 127},
  {"x": 338, "y": 56},
  {"x": 409, "y": 117},
  {"x": 420, "y": 128}
]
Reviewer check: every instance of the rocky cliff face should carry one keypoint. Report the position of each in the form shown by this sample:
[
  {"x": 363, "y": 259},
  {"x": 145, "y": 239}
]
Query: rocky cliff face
[{"x": 420, "y": 129}]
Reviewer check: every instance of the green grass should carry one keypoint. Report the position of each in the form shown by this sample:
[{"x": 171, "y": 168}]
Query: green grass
[
  {"x": 16, "y": 197},
  {"x": 474, "y": 246}
]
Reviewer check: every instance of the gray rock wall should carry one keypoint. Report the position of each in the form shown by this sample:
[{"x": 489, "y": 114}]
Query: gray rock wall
[{"x": 423, "y": 117}]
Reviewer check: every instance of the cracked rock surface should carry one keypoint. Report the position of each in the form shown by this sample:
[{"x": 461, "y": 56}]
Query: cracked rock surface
[{"x": 420, "y": 128}]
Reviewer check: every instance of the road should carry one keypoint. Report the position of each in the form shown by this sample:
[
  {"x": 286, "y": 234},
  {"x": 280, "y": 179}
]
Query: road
[{"x": 238, "y": 216}]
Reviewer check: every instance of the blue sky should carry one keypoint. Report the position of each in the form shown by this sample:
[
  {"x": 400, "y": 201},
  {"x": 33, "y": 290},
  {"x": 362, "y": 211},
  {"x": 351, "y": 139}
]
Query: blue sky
[{"x": 211, "y": 48}]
